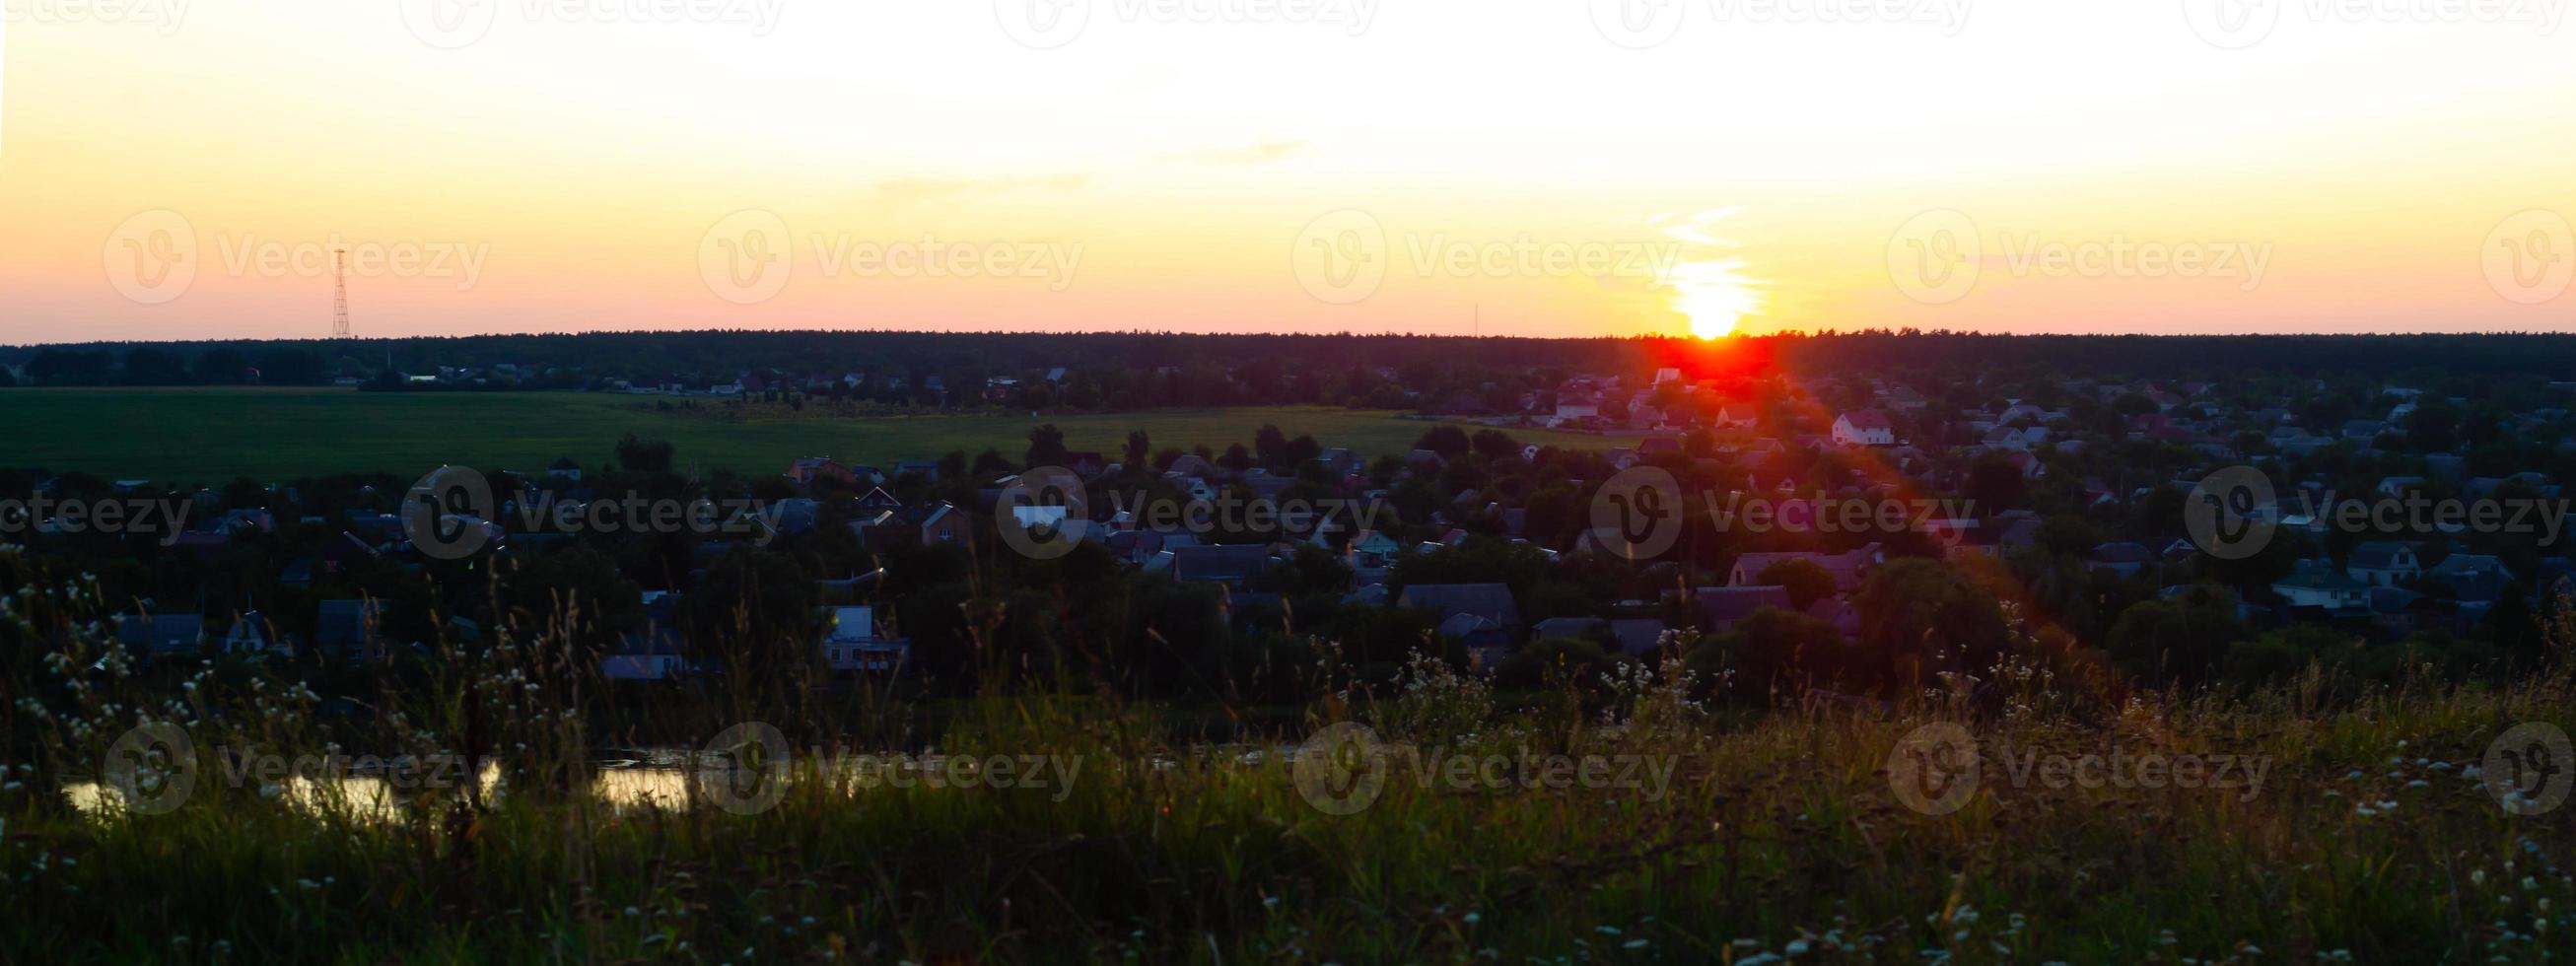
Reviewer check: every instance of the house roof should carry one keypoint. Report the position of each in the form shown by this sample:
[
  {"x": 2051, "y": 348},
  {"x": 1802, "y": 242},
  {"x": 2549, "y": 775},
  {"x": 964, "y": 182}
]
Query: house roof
[
  {"x": 2123, "y": 552},
  {"x": 2378, "y": 555},
  {"x": 1637, "y": 635},
  {"x": 1726, "y": 605},
  {"x": 1490, "y": 601},
  {"x": 1221, "y": 563},
  {"x": 1867, "y": 419},
  {"x": 1566, "y": 627}
]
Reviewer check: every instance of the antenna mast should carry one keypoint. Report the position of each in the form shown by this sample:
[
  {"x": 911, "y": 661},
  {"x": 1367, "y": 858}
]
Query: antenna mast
[{"x": 339, "y": 293}]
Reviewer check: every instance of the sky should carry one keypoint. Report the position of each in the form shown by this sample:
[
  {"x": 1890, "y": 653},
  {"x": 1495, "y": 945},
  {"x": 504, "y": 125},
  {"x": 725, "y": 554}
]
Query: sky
[{"x": 185, "y": 169}]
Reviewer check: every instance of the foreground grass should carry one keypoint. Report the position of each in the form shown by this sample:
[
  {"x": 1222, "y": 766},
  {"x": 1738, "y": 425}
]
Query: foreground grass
[
  {"x": 214, "y": 435},
  {"x": 2366, "y": 842}
]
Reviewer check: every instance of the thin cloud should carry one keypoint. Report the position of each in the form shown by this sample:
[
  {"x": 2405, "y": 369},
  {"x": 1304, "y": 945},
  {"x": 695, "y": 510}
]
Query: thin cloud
[
  {"x": 1258, "y": 154},
  {"x": 900, "y": 192}
]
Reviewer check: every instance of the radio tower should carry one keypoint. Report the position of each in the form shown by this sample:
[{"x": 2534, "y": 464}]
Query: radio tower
[{"x": 339, "y": 293}]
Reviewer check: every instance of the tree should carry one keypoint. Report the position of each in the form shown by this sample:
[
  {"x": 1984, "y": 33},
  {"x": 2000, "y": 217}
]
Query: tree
[
  {"x": 753, "y": 614},
  {"x": 1807, "y": 581},
  {"x": 1449, "y": 441},
  {"x": 579, "y": 592},
  {"x": 1995, "y": 484},
  {"x": 1270, "y": 445},
  {"x": 1139, "y": 449},
  {"x": 2175, "y": 641},
  {"x": 1919, "y": 617},
  {"x": 1777, "y": 652},
  {"x": 637, "y": 455},
  {"x": 1046, "y": 447}
]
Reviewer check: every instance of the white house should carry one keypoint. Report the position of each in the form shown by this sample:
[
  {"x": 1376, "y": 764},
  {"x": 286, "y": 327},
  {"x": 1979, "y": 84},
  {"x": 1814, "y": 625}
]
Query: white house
[
  {"x": 851, "y": 644},
  {"x": 1867, "y": 427}
]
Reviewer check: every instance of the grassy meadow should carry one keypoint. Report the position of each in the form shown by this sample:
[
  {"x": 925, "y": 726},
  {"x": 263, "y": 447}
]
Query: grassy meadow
[
  {"x": 213, "y": 435},
  {"x": 1747, "y": 838}
]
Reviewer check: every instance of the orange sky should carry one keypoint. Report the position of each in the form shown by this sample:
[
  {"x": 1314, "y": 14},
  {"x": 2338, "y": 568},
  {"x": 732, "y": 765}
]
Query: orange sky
[{"x": 181, "y": 169}]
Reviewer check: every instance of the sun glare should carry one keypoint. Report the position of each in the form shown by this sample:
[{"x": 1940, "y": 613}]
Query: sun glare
[{"x": 1707, "y": 277}]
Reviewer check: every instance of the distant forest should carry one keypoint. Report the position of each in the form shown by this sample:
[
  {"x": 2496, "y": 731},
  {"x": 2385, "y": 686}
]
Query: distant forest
[{"x": 573, "y": 361}]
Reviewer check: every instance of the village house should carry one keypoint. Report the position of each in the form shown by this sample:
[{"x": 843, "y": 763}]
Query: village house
[{"x": 1866, "y": 427}]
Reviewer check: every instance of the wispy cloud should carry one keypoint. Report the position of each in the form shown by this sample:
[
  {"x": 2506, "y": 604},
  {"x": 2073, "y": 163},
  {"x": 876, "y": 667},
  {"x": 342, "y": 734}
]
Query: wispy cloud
[
  {"x": 1245, "y": 157},
  {"x": 1708, "y": 278},
  {"x": 901, "y": 192}
]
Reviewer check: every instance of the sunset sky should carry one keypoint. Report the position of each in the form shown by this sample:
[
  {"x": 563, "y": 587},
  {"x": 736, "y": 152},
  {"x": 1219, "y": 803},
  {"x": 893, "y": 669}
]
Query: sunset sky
[{"x": 179, "y": 169}]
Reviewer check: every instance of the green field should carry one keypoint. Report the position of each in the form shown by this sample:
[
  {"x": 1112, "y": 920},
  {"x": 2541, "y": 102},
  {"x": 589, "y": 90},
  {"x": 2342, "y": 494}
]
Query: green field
[{"x": 213, "y": 435}]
